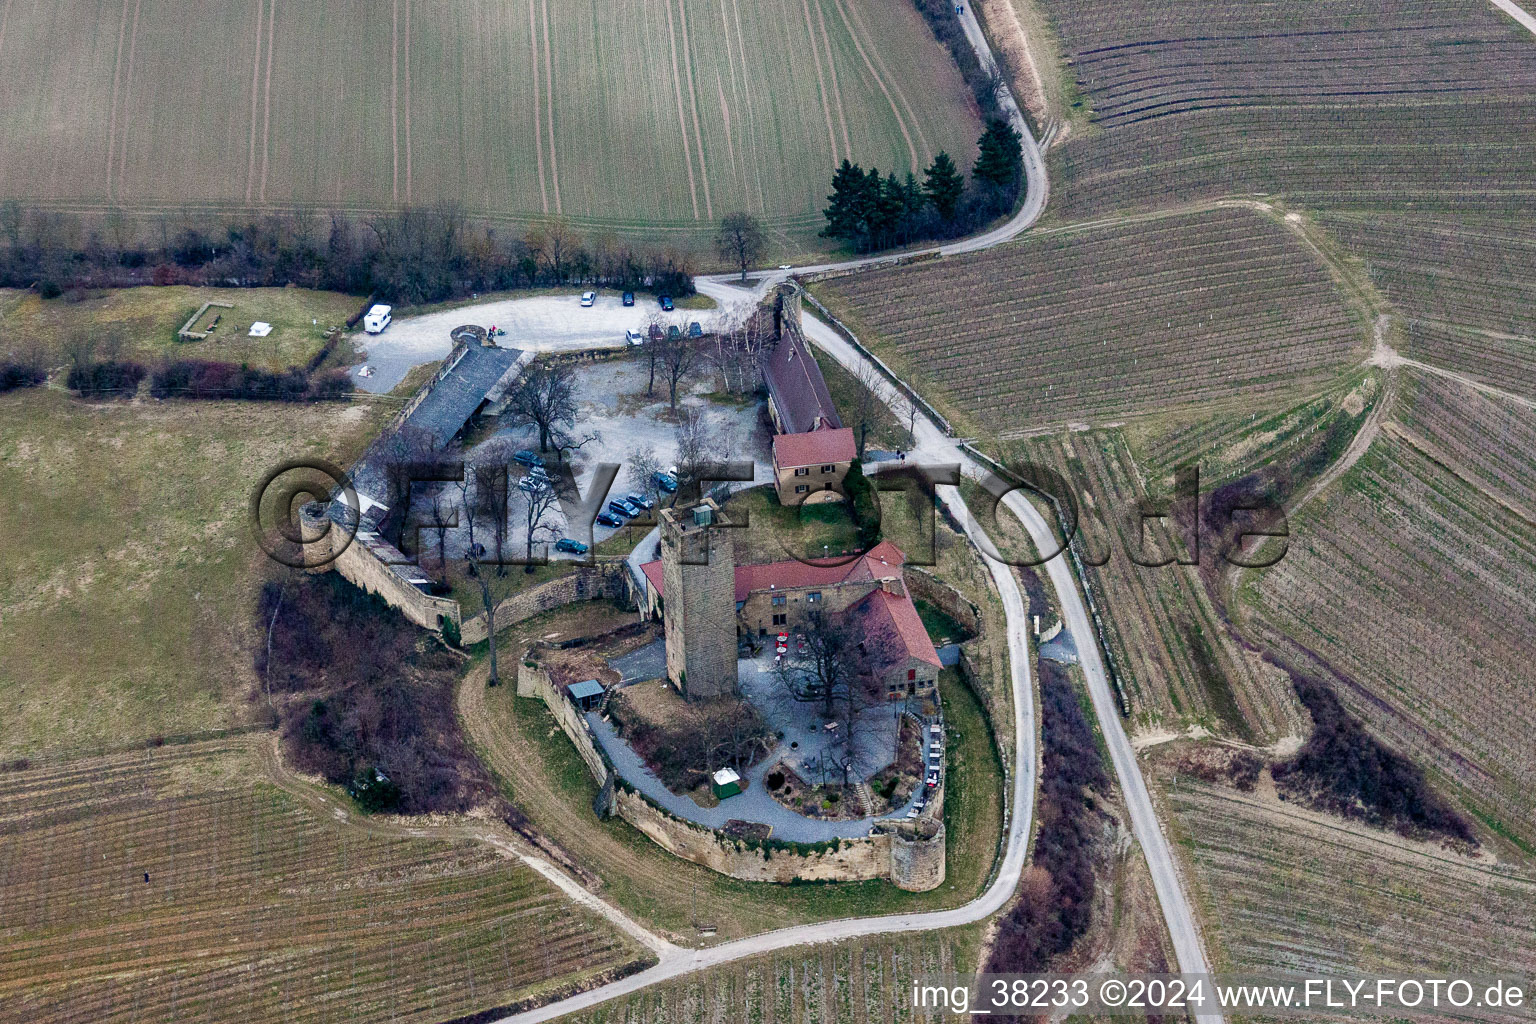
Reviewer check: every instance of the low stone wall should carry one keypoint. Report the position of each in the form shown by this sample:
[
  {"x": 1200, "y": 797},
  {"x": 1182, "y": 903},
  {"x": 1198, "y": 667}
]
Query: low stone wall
[
  {"x": 606, "y": 579},
  {"x": 533, "y": 681},
  {"x": 945, "y": 598}
]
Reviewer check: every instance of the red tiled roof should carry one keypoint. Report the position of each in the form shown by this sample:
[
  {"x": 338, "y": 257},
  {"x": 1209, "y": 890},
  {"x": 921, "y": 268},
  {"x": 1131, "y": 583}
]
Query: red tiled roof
[
  {"x": 896, "y": 616},
  {"x": 818, "y": 448},
  {"x": 798, "y": 390},
  {"x": 883, "y": 560}
]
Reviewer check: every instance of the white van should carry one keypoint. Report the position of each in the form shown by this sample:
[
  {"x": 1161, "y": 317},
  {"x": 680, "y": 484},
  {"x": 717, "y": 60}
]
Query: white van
[{"x": 377, "y": 318}]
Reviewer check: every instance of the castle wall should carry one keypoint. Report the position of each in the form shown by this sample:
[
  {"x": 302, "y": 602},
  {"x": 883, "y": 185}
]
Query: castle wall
[
  {"x": 364, "y": 565},
  {"x": 607, "y": 579}
]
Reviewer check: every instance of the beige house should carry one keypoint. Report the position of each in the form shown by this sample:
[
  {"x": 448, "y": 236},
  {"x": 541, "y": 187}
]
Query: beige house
[{"x": 811, "y": 467}]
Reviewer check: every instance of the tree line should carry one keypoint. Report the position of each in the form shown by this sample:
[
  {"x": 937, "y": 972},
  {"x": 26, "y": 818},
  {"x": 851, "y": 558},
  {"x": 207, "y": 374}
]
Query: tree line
[
  {"x": 868, "y": 211},
  {"x": 411, "y": 256}
]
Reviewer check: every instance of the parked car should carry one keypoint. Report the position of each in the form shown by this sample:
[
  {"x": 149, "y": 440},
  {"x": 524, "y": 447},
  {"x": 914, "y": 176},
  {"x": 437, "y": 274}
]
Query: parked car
[
  {"x": 695, "y": 330},
  {"x": 570, "y": 547},
  {"x": 656, "y": 334},
  {"x": 784, "y": 266},
  {"x": 674, "y": 332},
  {"x": 633, "y": 337},
  {"x": 619, "y": 506},
  {"x": 377, "y": 319},
  {"x": 666, "y": 481},
  {"x": 527, "y": 457},
  {"x": 609, "y": 519},
  {"x": 629, "y": 298},
  {"x": 588, "y": 298},
  {"x": 666, "y": 302},
  {"x": 532, "y": 484},
  {"x": 640, "y": 501},
  {"x": 933, "y": 778}
]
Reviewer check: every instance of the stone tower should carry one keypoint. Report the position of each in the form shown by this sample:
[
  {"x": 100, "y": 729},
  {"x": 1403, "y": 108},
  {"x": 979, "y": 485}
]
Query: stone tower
[{"x": 698, "y": 580}]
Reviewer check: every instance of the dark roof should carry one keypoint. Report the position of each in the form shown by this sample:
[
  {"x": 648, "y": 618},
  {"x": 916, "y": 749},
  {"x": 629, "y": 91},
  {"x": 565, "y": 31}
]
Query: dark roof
[
  {"x": 798, "y": 390},
  {"x": 819, "y": 447}
]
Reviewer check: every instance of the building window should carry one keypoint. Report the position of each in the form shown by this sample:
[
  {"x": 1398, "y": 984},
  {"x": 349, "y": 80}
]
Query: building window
[
  {"x": 801, "y": 488},
  {"x": 803, "y": 471},
  {"x": 828, "y": 469},
  {"x": 813, "y": 597},
  {"x": 780, "y": 620},
  {"x": 779, "y": 600}
]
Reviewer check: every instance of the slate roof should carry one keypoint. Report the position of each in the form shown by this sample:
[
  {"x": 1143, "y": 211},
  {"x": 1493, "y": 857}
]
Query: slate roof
[
  {"x": 818, "y": 448},
  {"x": 896, "y": 616},
  {"x": 798, "y": 390}
]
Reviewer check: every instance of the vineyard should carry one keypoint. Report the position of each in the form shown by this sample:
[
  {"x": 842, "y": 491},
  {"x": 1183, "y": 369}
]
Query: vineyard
[
  {"x": 636, "y": 116},
  {"x": 1337, "y": 105},
  {"x": 1222, "y": 307},
  {"x": 1410, "y": 591},
  {"x": 171, "y": 884},
  {"x": 862, "y": 982},
  {"x": 1286, "y": 889},
  {"x": 1465, "y": 288},
  {"x": 1175, "y": 656}
]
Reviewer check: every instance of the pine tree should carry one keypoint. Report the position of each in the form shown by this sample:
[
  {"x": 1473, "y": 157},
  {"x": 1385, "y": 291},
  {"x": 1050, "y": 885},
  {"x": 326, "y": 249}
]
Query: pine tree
[
  {"x": 1001, "y": 158},
  {"x": 847, "y": 213},
  {"x": 889, "y": 205},
  {"x": 943, "y": 185}
]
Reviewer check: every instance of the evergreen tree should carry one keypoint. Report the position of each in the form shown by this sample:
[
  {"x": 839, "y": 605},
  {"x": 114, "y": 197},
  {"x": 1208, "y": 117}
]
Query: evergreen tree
[
  {"x": 1001, "y": 158},
  {"x": 943, "y": 185},
  {"x": 847, "y": 213}
]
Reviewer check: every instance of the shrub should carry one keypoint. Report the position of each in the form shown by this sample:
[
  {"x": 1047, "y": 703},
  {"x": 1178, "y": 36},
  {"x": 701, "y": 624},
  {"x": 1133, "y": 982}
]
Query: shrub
[
  {"x": 1344, "y": 769},
  {"x": 106, "y": 380},
  {"x": 20, "y": 374},
  {"x": 49, "y": 289},
  {"x": 203, "y": 379}
]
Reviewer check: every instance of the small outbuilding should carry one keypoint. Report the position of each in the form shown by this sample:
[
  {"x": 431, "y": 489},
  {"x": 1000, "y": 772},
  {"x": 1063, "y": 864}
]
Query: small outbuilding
[
  {"x": 587, "y": 694},
  {"x": 726, "y": 783},
  {"x": 260, "y": 329}
]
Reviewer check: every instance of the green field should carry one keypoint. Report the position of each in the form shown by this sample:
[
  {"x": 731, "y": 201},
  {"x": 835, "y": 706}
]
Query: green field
[{"x": 638, "y": 116}]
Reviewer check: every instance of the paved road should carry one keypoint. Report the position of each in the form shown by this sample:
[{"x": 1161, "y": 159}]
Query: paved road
[{"x": 934, "y": 446}]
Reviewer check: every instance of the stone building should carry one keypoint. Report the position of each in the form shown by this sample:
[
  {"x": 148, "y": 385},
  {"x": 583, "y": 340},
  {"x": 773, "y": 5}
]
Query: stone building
[
  {"x": 697, "y": 566},
  {"x": 812, "y": 450}
]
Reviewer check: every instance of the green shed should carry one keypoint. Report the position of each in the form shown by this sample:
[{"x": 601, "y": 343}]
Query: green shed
[{"x": 726, "y": 784}]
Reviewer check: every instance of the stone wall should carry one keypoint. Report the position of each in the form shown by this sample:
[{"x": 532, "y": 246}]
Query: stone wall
[
  {"x": 945, "y": 598},
  {"x": 917, "y": 856},
  {"x": 606, "y": 579},
  {"x": 533, "y": 681},
  {"x": 364, "y": 564}
]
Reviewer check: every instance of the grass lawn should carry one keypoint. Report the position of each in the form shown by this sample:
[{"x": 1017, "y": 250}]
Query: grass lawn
[
  {"x": 775, "y": 532},
  {"x": 149, "y": 318},
  {"x": 545, "y": 778},
  {"x": 130, "y": 566}
]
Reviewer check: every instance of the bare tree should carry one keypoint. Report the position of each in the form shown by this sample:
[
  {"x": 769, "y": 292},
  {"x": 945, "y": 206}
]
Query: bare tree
[
  {"x": 678, "y": 356},
  {"x": 478, "y": 569},
  {"x": 866, "y": 404},
  {"x": 655, "y": 331},
  {"x": 538, "y": 500},
  {"x": 698, "y": 447},
  {"x": 545, "y": 396},
  {"x": 643, "y": 467},
  {"x": 490, "y": 482},
  {"x": 740, "y": 240},
  {"x": 443, "y": 515}
]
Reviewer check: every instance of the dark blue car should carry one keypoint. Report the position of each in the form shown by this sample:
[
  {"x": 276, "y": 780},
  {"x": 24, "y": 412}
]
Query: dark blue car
[{"x": 609, "y": 519}]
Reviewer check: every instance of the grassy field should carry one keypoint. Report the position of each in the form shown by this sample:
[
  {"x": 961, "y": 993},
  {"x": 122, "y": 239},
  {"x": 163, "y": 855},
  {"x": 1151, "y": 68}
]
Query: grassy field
[
  {"x": 1409, "y": 589},
  {"x": 861, "y": 982},
  {"x": 148, "y": 318},
  {"x": 638, "y": 116},
  {"x": 1223, "y": 307},
  {"x": 1281, "y": 888},
  {"x": 130, "y": 566},
  {"x": 258, "y": 905}
]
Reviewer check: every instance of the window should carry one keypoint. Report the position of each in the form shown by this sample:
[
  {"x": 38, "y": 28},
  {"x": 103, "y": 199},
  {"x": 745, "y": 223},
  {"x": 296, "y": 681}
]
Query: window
[
  {"x": 828, "y": 469},
  {"x": 803, "y": 471},
  {"x": 813, "y": 597},
  {"x": 801, "y": 488},
  {"x": 911, "y": 673},
  {"x": 779, "y": 600},
  {"x": 781, "y": 619}
]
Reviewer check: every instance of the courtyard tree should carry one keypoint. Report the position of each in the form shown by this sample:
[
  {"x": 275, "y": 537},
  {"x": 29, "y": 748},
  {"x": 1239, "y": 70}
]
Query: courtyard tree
[
  {"x": 699, "y": 446},
  {"x": 545, "y": 397},
  {"x": 537, "y": 500},
  {"x": 486, "y": 491},
  {"x": 679, "y": 357},
  {"x": 740, "y": 241}
]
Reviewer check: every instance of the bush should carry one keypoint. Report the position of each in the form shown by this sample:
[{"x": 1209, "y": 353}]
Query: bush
[
  {"x": 1344, "y": 769},
  {"x": 202, "y": 379},
  {"x": 20, "y": 374},
  {"x": 50, "y": 289},
  {"x": 106, "y": 380},
  {"x": 866, "y": 512}
]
